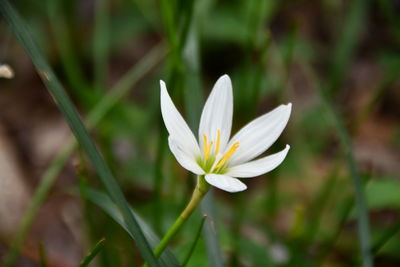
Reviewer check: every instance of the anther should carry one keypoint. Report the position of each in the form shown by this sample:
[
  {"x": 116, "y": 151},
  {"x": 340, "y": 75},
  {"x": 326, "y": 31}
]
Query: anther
[
  {"x": 218, "y": 142},
  {"x": 228, "y": 154},
  {"x": 207, "y": 151}
]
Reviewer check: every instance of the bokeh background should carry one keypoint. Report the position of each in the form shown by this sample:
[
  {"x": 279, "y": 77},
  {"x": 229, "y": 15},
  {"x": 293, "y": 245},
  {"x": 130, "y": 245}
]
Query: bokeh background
[{"x": 338, "y": 62}]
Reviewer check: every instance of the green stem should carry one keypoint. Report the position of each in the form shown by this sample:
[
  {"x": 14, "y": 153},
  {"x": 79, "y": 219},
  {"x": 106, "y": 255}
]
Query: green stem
[{"x": 200, "y": 191}]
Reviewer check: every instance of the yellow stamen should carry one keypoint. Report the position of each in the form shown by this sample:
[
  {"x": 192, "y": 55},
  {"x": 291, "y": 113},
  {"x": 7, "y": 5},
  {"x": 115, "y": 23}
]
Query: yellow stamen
[
  {"x": 228, "y": 154},
  {"x": 206, "y": 147},
  {"x": 218, "y": 142},
  {"x": 207, "y": 152},
  {"x": 204, "y": 143}
]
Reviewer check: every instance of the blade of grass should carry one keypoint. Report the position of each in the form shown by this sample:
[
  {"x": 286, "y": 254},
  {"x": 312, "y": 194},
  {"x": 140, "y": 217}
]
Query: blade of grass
[
  {"x": 100, "y": 43},
  {"x": 47, "y": 180},
  {"x": 364, "y": 232},
  {"x": 385, "y": 237},
  {"x": 363, "y": 225},
  {"x": 347, "y": 42},
  {"x": 167, "y": 11},
  {"x": 196, "y": 239},
  {"x": 346, "y": 208},
  {"x": 104, "y": 202},
  {"x": 158, "y": 210},
  {"x": 20, "y": 29},
  {"x": 257, "y": 42},
  {"x": 63, "y": 42},
  {"x": 96, "y": 249},
  {"x": 185, "y": 11},
  {"x": 319, "y": 205},
  {"x": 210, "y": 234}
]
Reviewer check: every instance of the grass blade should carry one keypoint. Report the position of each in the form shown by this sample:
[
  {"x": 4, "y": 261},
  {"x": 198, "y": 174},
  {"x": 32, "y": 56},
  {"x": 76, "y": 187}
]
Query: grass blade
[
  {"x": 347, "y": 42},
  {"x": 19, "y": 28},
  {"x": 210, "y": 235},
  {"x": 100, "y": 43},
  {"x": 96, "y": 249},
  {"x": 196, "y": 239},
  {"x": 385, "y": 237},
  {"x": 63, "y": 42},
  {"x": 364, "y": 232},
  {"x": 363, "y": 227},
  {"x": 105, "y": 203},
  {"x": 95, "y": 116}
]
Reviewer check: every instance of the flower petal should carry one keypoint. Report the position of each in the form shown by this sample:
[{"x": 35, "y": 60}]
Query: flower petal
[
  {"x": 186, "y": 160},
  {"x": 225, "y": 182},
  {"x": 259, "y": 134},
  {"x": 217, "y": 113},
  {"x": 259, "y": 166},
  {"x": 176, "y": 125}
]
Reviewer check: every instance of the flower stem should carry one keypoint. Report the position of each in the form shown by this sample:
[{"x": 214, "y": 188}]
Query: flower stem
[{"x": 199, "y": 192}]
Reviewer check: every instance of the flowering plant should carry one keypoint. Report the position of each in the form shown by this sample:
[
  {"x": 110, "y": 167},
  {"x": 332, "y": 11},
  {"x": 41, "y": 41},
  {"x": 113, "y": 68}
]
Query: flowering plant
[{"x": 218, "y": 159}]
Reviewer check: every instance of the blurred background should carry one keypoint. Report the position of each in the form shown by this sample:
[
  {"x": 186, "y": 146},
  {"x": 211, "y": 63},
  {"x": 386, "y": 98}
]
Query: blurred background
[{"x": 338, "y": 62}]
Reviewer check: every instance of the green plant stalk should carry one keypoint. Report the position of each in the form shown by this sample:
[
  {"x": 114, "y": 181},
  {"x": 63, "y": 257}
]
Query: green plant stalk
[{"x": 199, "y": 192}]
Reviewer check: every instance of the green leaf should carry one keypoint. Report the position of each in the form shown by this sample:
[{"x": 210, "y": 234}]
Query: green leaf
[
  {"x": 96, "y": 249},
  {"x": 22, "y": 32},
  {"x": 47, "y": 180},
  {"x": 105, "y": 203}
]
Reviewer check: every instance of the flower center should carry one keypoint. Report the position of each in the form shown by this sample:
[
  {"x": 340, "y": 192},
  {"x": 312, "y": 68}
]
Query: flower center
[{"x": 213, "y": 161}]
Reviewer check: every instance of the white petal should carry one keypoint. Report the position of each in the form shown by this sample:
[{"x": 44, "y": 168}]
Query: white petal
[
  {"x": 259, "y": 134},
  {"x": 225, "y": 182},
  {"x": 176, "y": 125},
  {"x": 186, "y": 160},
  {"x": 217, "y": 113},
  {"x": 259, "y": 166}
]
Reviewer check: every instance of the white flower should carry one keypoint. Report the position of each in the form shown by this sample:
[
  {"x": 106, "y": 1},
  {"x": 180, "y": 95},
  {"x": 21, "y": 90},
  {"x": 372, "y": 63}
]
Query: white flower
[{"x": 219, "y": 158}]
